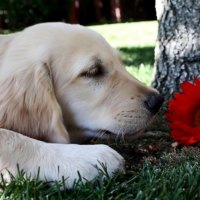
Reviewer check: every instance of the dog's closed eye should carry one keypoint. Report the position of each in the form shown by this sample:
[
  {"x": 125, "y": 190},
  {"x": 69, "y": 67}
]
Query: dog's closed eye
[{"x": 96, "y": 71}]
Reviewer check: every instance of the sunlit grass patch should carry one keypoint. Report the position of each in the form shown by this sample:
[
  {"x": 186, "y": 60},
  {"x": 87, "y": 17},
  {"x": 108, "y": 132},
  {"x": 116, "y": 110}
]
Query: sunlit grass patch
[
  {"x": 138, "y": 34},
  {"x": 135, "y": 42},
  {"x": 143, "y": 73}
]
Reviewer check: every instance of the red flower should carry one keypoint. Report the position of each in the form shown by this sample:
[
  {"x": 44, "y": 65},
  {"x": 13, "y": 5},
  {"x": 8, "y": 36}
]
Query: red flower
[{"x": 184, "y": 114}]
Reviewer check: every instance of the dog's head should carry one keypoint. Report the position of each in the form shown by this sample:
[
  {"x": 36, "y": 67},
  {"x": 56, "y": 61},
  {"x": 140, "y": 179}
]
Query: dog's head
[{"x": 95, "y": 93}]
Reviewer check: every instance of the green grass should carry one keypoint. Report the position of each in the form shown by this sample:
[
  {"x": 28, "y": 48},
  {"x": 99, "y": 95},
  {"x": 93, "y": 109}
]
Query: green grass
[
  {"x": 135, "y": 42},
  {"x": 135, "y": 34},
  {"x": 155, "y": 170},
  {"x": 174, "y": 177}
]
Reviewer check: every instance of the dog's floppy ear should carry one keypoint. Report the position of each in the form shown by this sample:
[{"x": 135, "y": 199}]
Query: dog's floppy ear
[{"x": 29, "y": 106}]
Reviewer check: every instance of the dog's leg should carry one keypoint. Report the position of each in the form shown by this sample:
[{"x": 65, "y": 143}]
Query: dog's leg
[{"x": 54, "y": 160}]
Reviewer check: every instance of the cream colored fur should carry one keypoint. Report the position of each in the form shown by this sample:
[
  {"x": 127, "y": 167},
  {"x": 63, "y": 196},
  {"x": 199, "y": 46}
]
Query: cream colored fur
[{"x": 47, "y": 94}]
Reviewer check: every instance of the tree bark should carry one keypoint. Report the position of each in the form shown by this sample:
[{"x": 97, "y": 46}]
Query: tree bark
[{"x": 177, "y": 52}]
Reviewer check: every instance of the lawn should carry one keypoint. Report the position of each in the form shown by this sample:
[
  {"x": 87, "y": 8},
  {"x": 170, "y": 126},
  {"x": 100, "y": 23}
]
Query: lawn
[
  {"x": 155, "y": 169},
  {"x": 135, "y": 42}
]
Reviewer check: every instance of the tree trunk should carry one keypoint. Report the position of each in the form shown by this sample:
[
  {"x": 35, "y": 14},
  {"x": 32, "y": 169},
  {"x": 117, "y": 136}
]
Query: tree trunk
[{"x": 177, "y": 52}]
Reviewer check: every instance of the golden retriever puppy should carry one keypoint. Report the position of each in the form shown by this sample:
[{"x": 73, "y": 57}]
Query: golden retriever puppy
[{"x": 62, "y": 83}]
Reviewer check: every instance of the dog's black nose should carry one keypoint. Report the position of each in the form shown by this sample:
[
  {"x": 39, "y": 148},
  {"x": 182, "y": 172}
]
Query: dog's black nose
[{"x": 153, "y": 102}]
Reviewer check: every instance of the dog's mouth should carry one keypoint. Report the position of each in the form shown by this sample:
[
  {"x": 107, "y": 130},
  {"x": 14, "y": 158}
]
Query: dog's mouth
[
  {"x": 98, "y": 132},
  {"x": 104, "y": 133}
]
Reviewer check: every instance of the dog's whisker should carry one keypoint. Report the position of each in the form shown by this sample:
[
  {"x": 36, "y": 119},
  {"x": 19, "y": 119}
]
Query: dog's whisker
[
  {"x": 123, "y": 135},
  {"x": 119, "y": 135},
  {"x": 101, "y": 134}
]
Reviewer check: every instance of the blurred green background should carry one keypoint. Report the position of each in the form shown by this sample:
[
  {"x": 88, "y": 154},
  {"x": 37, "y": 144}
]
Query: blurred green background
[
  {"x": 126, "y": 24},
  {"x": 17, "y": 14}
]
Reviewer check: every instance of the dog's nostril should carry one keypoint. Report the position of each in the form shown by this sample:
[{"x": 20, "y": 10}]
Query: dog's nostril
[{"x": 153, "y": 102}]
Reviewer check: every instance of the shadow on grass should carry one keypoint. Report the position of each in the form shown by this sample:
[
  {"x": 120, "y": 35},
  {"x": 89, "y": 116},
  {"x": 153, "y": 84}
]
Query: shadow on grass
[{"x": 134, "y": 56}]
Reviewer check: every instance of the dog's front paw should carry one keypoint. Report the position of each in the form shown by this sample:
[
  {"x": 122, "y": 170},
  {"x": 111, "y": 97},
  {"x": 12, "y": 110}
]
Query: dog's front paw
[
  {"x": 86, "y": 160},
  {"x": 62, "y": 160},
  {"x": 98, "y": 157}
]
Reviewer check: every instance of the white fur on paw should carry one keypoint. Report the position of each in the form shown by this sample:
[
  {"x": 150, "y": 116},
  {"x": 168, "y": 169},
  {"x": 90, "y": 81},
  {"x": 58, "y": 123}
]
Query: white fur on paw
[
  {"x": 87, "y": 160},
  {"x": 68, "y": 160}
]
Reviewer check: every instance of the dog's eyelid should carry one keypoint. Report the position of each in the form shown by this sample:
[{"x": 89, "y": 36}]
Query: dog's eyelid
[{"x": 94, "y": 71}]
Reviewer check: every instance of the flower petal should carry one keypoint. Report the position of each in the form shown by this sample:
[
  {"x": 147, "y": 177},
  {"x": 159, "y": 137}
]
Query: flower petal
[{"x": 183, "y": 114}]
